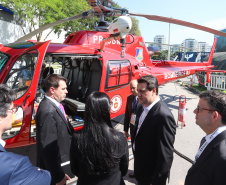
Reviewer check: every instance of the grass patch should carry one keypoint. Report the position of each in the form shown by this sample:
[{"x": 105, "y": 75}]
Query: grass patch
[{"x": 202, "y": 89}]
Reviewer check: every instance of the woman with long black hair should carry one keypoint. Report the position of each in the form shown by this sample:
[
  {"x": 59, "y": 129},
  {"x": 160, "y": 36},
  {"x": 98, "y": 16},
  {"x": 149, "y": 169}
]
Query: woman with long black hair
[{"x": 99, "y": 153}]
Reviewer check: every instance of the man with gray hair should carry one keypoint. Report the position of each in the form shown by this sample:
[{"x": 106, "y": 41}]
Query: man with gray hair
[
  {"x": 15, "y": 169},
  {"x": 210, "y": 160}
]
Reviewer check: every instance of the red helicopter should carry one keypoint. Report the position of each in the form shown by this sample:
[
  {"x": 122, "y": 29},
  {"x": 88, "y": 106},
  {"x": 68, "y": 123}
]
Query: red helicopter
[{"x": 105, "y": 60}]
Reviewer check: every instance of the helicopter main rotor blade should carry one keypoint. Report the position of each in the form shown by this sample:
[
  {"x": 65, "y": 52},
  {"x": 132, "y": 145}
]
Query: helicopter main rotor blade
[
  {"x": 47, "y": 26},
  {"x": 179, "y": 22}
]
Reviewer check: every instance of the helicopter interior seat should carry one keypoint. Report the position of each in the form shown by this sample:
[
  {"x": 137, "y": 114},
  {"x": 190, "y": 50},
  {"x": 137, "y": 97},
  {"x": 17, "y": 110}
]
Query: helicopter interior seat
[
  {"x": 95, "y": 77},
  {"x": 90, "y": 83},
  {"x": 76, "y": 80}
]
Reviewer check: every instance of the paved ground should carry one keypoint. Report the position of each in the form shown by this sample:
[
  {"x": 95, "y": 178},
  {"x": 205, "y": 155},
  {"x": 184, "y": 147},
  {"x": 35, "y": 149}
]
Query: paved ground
[{"x": 187, "y": 138}]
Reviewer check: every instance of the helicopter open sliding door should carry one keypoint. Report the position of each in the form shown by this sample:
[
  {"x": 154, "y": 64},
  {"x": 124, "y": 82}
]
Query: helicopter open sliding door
[{"x": 23, "y": 77}]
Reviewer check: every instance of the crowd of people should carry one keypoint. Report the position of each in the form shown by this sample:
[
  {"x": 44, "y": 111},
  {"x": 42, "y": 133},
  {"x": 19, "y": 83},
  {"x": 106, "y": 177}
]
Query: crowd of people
[{"x": 98, "y": 154}]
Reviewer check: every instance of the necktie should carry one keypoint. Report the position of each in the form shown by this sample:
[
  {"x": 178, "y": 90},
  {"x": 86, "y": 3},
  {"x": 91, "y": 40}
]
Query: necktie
[
  {"x": 202, "y": 141},
  {"x": 134, "y": 104},
  {"x": 62, "y": 109}
]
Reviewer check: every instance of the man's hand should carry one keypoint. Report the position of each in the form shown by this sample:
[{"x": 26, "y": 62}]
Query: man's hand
[
  {"x": 63, "y": 181},
  {"x": 126, "y": 133}
]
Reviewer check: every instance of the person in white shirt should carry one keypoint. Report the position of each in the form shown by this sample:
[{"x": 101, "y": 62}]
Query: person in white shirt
[
  {"x": 154, "y": 135},
  {"x": 15, "y": 169},
  {"x": 210, "y": 160}
]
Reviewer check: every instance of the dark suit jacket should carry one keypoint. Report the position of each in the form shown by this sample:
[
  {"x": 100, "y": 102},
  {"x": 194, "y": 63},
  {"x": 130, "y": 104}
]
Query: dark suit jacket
[
  {"x": 115, "y": 176},
  {"x": 16, "y": 169},
  {"x": 153, "y": 155},
  {"x": 53, "y": 140},
  {"x": 127, "y": 118},
  {"x": 210, "y": 167}
]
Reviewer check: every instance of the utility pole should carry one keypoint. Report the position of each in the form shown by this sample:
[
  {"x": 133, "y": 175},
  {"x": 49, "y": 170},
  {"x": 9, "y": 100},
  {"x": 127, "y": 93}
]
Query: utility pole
[{"x": 169, "y": 44}]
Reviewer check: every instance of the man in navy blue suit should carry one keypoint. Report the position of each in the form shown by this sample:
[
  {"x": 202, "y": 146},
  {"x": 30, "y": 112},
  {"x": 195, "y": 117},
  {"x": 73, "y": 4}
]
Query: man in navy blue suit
[{"x": 15, "y": 169}]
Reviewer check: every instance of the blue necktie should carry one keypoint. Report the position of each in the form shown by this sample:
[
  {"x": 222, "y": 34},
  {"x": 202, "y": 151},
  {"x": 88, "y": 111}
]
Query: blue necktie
[
  {"x": 202, "y": 141},
  {"x": 134, "y": 104}
]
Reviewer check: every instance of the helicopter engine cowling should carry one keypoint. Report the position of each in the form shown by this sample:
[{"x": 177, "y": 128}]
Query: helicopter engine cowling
[{"x": 122, "y": 26}]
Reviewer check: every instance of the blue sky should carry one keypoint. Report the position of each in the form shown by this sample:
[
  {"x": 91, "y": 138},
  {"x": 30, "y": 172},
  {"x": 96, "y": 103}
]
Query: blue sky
[{"x": 207, "y": 13}]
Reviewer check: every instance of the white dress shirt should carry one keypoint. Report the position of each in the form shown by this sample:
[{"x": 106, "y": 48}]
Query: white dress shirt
[
  {"x": 53, "y": 100},
  {"x": 208, "y": 139},
  {"x": 2, "y": 142},
  {"x": 143, "y": 116}
]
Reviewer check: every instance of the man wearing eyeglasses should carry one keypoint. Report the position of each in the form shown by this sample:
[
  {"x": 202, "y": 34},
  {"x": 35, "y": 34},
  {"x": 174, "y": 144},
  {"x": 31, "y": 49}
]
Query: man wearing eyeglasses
[
  {"x": 210, "y": 160},
  {"x": 15, "y": 169}
]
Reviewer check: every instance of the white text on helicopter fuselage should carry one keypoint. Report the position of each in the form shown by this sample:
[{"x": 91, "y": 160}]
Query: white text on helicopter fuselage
[
  {"x": 176, "y": 74},
  {"x": 98, "y": 39}
]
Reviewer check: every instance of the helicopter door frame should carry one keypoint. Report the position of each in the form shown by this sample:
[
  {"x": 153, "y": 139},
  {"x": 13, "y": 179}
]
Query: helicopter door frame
[{"x": 26, "y": 100}]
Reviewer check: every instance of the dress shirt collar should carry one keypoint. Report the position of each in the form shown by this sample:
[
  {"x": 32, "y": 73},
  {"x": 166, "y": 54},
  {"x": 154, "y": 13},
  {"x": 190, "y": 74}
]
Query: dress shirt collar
[
  {"x": 152, "y": 105},
  {"x": 53, "y": 100},
  {"x": 218, "y": 131},
  {"x": 2, "y": 142}
]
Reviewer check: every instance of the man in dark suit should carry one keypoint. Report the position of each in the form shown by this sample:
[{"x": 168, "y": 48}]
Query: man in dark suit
[
  {"x": 15, "y": 169},
  {"x": 130, "y": 113},
  {"x": 210, "y": 160},
  {"x": 155, "y": 135},
  {"x": 54, "y": 132}
]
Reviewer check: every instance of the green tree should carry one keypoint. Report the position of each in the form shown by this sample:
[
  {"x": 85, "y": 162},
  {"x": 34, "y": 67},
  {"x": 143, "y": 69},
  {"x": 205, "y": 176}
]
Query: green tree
[
  {"x": 37, "y": 13},
  {"x": 135, "y": 27},
  {"x": 163, "y": 55},
  {"x": 135, "y": 23}
]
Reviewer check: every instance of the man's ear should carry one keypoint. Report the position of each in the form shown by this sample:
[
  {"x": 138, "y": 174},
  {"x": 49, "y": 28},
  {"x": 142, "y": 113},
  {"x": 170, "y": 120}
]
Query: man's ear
[
  {"x": 52, "y": 90},
  {"x": 216, "y": 115},
  {"x": 154, "y": 90}
]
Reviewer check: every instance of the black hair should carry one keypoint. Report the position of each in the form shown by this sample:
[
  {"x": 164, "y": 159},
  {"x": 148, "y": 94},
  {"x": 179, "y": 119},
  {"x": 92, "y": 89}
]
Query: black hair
[
  {"x": 47, "y": 71},
  {"x": 53, "y": 81},
  {"x": 216, "y": 101},
  {"x": 7, "y": 96},
  {"x": 152, "y": 82},
  {"x": 97, "y": 139}
]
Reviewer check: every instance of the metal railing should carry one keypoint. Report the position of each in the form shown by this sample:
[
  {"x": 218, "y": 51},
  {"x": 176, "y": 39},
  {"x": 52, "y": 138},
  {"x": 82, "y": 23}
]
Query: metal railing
[
  {"x": 217, "y": 81},
  {"x": 57, "y": 71}
]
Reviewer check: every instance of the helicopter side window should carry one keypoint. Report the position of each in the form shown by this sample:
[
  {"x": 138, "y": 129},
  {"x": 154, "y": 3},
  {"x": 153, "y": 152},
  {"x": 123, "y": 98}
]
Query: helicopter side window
[
  {"x": 119, "y": 74},
  {"x": 3, "y": 59},
  {"x": 21, "y": 74}
]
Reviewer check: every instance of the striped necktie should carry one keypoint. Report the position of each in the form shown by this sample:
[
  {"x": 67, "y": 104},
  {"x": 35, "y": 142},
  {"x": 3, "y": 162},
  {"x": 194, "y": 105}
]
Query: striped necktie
[{"x": 202, "y": 141}]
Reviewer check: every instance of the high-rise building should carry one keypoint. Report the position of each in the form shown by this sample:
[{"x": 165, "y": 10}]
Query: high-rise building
[
  {"x": 174, "y": 48},
  {"x": 161, "y": 39},
  {"x": 203, "y": 47},
  {"x": 191, "y": 45}
]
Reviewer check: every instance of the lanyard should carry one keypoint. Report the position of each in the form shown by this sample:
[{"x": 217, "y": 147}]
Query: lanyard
[{"x": 209, "y": 138}]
